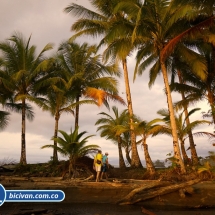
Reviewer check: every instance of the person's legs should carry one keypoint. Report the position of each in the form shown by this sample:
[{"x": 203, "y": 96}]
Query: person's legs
[
  {"x": 104, "y": 171},
  {"x": 97, "y": 176},
  {"x": 98, "y": 170},
  {"x": 106, "y": 175}
]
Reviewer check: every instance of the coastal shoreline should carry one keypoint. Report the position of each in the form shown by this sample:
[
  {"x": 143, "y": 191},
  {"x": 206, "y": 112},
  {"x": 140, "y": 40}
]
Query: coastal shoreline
[{"x": 110, "y": 192}]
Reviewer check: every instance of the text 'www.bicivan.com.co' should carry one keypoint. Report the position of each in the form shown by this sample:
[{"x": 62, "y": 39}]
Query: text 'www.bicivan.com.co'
[
  {"x": 30, "y": 196},
  {"x": 34, "y": 195}
]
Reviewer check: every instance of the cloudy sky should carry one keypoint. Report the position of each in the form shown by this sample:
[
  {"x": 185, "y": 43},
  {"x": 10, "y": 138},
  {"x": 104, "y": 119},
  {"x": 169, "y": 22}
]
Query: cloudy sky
[{"x": 47, "y": 23}]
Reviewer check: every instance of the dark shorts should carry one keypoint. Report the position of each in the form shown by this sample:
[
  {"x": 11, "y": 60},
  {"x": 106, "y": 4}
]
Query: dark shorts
[{"x": 104, "y": 168}]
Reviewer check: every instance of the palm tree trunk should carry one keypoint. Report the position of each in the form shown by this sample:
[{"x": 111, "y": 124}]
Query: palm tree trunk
[
  {"x": 135, "y": 159},
  {"x": 121, "y": 159},
  {"x": 71, "y": 168},
  {"x": 211, "y": 102},
  {"x": 23, "y": 144},
  {"x": 127, "y": 151},
  {"x": 55, "y": 156},
  {"x": 149, "y": 164},
  {"x": 194, "y": 156},
  {"x": 77, "y": 112},
  {"x": 184, "y": 154},
  {"x": 176, "y": 148}
]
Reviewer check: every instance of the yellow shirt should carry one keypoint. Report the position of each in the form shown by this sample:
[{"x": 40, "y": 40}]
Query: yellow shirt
[{"x": 98, "y": 157}]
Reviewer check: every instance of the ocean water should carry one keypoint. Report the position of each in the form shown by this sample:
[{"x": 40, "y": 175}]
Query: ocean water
[{"x": 95, "y": 209}]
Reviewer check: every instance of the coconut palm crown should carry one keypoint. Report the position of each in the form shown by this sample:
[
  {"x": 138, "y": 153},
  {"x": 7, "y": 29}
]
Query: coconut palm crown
[
  {"x": 22, "y": 69},
  {"x": 73, "y": 145}
]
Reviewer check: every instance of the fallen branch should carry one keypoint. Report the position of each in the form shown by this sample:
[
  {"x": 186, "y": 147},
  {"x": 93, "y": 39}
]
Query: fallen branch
[
  {"x": 87, "y": 179},
  {"x": 162, "y": 191},
  {"x": 152, "y": 184}
]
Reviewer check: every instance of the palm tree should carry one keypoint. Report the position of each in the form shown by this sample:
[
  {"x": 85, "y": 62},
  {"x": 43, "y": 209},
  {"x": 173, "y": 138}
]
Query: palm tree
[
  {"x": 57, "y": 102},
  {"x": 112, "y": 127},
  {"x": 126, "y": 144},
  {"x": 111, "y": 27},
  {"x": 73, "y": 145},
  {"x": 88, "y": 75},
  {"x": 160, "y": 25},
  {"x": 196, "y": 89},
  {"x": 59, "y": 93},
  {"x": 183, "y": 129},
  {"x": 192, "y": 88},
  {"x": 23, "y": 69},
  {"x": 146, "y": 129},
  {"x": 194, "y": 156}
]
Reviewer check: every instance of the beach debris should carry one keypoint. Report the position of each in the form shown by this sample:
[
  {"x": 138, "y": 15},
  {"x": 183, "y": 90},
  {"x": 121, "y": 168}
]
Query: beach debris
[
  {"x": 88, "y": 178},
  {"x": 151, "y": 193},
  {"x": 152, "y": 184}
]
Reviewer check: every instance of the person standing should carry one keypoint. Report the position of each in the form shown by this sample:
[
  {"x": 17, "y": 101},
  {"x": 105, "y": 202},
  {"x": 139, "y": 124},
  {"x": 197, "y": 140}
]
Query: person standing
[
  {"x": 105, "y": 165},
  {"x": 97, "y": 164}
]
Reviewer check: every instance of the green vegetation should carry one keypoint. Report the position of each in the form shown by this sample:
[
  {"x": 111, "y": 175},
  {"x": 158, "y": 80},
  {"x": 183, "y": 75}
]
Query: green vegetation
[{"x": 73, "y": 146}]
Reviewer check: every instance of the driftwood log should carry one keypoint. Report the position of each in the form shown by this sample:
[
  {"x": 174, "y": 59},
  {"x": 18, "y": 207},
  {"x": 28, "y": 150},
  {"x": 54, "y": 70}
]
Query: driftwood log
[
  {"x": 153, "y": 184},
  {"x": 129, "y": 199},
  {"x": 89, "y": 178}
]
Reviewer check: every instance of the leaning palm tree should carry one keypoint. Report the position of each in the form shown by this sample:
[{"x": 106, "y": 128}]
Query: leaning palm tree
[
  {"x": 111, "y": 27},
  {"x": 194, "y": 155},
  {"x": 183, "y": 129},
  {"x": 23, "y": 69},
  {"x": 73, "y": 145},
  {"x": 146, "y": 129},
  {"x": 126, "y": 144},
  {"x": 112, "y": 128}
]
